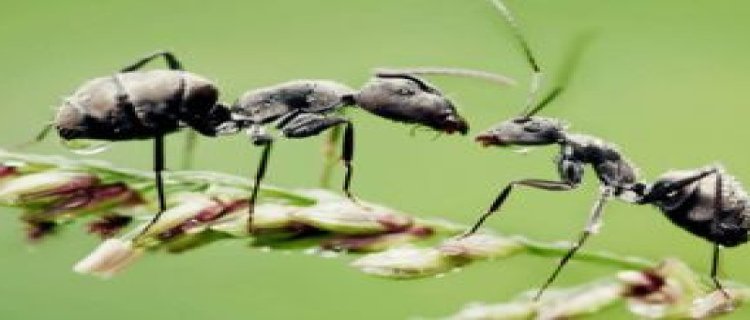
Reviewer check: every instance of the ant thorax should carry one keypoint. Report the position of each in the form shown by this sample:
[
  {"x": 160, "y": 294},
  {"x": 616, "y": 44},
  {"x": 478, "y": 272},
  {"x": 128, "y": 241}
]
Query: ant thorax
[
  {"x": 267, "y": 104},
  {"x": 612, "y": 169}
]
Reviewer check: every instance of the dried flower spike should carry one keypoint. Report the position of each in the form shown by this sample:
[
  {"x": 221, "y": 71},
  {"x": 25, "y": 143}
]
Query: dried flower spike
[
  {"x": 481, "y": 246},
  {"x": 404, "y": 262},
  {"x": 109, "y": 258}
]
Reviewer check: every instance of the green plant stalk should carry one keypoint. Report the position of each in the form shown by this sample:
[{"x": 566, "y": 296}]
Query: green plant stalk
[
  {"x": 397, "y": 246},
  {"x": 547, "y": 249},
  {"x": 202, "y": 180},
  {"x": 599, "y": 257},
  {"x": 143, "y": 180}
]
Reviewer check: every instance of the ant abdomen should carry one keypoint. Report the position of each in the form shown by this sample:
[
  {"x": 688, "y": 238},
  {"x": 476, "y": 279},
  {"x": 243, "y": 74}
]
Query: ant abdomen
[
  {"x": 157, "y": 102},
  {"x": 719, "y": 216}
]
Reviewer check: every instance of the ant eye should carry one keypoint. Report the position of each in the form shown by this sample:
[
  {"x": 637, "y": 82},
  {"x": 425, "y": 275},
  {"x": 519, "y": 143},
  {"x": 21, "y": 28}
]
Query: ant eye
[{"x": 406, "y": 92}]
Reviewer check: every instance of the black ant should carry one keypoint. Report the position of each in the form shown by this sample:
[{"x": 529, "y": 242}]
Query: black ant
[
  {"x": 706, "y": 202},
  {"x": 138, "y": 105},
  {"x": 305, "y": 108}
]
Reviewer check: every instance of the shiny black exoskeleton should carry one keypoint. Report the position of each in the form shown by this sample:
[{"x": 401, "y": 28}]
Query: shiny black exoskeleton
[
  {"x": 706, "y": 202},
  {"x": 616, "y": 174},
  {"x": 305, "y": 108},
  {"x": 134, "y": 104}
]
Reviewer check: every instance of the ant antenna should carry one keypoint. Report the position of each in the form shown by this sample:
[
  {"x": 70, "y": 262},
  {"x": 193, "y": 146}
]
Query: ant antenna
[
  {"x": 572, "y": 58},
  {"x": 536, "y": 75},
  {"x": 461, "y": 72},
  {"x": 402, "y": 75}
]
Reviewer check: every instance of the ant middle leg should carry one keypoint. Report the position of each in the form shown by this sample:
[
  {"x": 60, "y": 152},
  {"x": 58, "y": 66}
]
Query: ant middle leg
[{"x": 548, "y": 185}]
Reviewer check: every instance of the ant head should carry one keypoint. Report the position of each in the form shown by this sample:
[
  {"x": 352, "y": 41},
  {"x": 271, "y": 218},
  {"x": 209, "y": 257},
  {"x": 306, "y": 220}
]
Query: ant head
[
  {"x": 670, "y": 191},
  {"x": 523, "y": 131},
  {"x": 405, "y": 98}
]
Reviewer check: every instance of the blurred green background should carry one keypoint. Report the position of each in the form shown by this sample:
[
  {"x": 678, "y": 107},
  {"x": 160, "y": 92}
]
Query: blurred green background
[{"x": 666, "y": 80}]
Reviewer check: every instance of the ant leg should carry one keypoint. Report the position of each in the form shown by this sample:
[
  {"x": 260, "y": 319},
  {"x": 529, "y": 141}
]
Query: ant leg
[
  {"x": 347, "y": 154},
  {"x": 158, "y": 169},
  {"x": 533, "y": 183},
  {"x": 715, "y": 270},
  {"x": 171, "y": 60},
  {"x": 259, "y": 174},
  {"x": 592, "y": 227},
  {"x": 718, "y": 212},
  {"x": 284, "y": 120}
]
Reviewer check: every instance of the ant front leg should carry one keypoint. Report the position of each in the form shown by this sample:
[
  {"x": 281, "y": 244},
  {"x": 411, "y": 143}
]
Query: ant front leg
[
  {"x": 548, "y": 185},
  {"x": 171, "y": 60}
]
